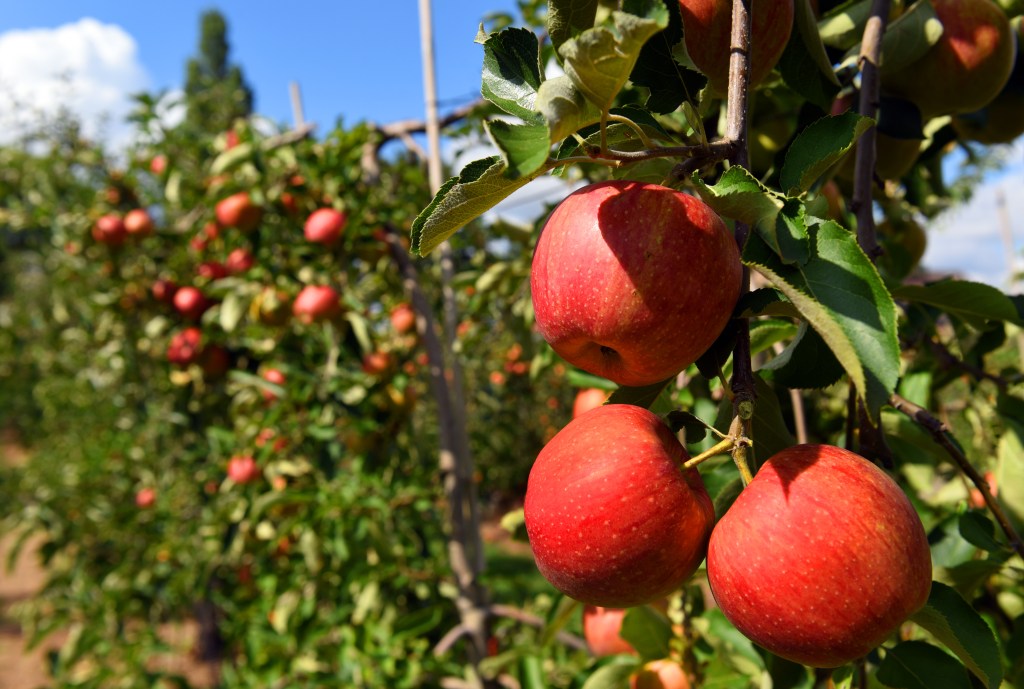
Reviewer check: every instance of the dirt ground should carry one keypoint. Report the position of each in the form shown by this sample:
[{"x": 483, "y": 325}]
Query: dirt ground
[{"x": 21, "y": 668}]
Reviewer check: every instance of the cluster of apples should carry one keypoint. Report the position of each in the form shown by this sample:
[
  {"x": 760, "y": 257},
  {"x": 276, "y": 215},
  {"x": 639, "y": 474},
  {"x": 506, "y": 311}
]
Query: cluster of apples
[{"x": 820, "y": 558}]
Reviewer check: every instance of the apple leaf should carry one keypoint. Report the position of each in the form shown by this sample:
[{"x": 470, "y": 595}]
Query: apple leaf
[
  {"x": 669, "y": 82},
  {"x": 843, "y": 677},
  {"x": 614, "y": 675},
  {"x": 953, "y": 621},
  {"x": 462, "y": 199},
  {"x": 648, "y": 631},
  {"x": 512, "y": 74},
  {"x": 582, "y": 379},
  {"x": 807, "y": 363},
  {"x": 1010, "y": 472},
  {"x": 804, "y": 65},
  {"x": 840, "y": 293},
  {"x": 789, "y": 236},
  {"x": 599, "y": 60},
  {"x": 978, "y": 530},
  {"x": 972, "y": 302},
  {"x": 567, "y": 18},
  {"x": 231, "y": 158},
  {"x": 524, "y": 147},
  {"x": 909, "y": 36},
  {"x": 843, "y": 26},
  {"x": 819, "y": 147},
  {"x": 918, "y": 665},
  {"x": 564, "y": 107},
  {"x": 695, "y": 428},
  {"x": 643, "y": 396},
  {"x": 740, "y": 196},
  {"x": 765, "y": 301}
]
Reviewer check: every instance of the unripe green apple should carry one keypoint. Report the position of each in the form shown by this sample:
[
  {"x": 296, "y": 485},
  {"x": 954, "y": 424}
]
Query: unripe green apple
[
  {"x": 613, "y": 518},
  {"x": 966, "y": 68},
  {"x": 707, "y": 31},
  {"x": 633, "y": 281},
  {"x": 821, "y": 557}
]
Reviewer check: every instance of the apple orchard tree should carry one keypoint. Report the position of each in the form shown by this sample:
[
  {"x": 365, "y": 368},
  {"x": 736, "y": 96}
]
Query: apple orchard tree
[{"x": 740, "y": 269}]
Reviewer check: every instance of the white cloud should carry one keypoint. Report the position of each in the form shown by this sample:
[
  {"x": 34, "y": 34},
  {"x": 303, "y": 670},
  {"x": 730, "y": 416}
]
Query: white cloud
[
  {"x": 969, "y": 239},
  {"x": 86, "y": 67}
]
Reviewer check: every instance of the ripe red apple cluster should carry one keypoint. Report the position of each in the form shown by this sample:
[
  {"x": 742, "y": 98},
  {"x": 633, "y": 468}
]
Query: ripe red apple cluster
[{"x": 822, "y": 556}]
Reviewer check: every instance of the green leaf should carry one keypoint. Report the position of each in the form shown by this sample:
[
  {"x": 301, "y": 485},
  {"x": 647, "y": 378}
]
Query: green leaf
[
  {"x": 511, "y": 75},
  {"x": 694, "y": 427},
  {"x": 973, "y": 302},
  {"x": 614, "y": 675},
  {"x": 840, "y": 293},
  {"x": 231, "y": 311},
  {"x": 789, "y": 235},
  {"x": 480, "y": 186},
  {"x": 648, "y": 631},
  {"x": 524, "y": 147},
  {"x": 909, "y": 37},
  {"x": 738, "y": 195},
  {"x": 979, "y": 530},
  {"x": 843, "y": 26},
  {"x": 669, "y": 82},
  {"x": 807, "y": 363},
  {"x": 231, "y": 158},
  {"x": 804, "y": 65},
  {"x": 566, "y": 18},
  {"x": 917, "y": 665},
  {"x": 644, "y": 396},
  {"x": 819, "y": 147},
  {"x": 599, "y": 60},
  {"x": 564, "y": 107},
  {"x": 1010, "y": 472},
  {"x": 953, "y": 621}
]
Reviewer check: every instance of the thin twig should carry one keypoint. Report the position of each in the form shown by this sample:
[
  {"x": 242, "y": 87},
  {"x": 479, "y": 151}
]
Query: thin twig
[
  {"x": 941, "y": 435},
  {"x": 509, "y": 612}
]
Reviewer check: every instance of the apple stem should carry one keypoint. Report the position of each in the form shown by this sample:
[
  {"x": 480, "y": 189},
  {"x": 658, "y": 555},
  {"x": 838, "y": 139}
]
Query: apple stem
[
  {"x": 648, "y": 144},
  {"x": 720, "y": 448},
  {"x": 604, "y": 132}
]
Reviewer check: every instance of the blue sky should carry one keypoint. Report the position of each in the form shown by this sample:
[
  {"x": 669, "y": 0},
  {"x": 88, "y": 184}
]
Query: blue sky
[{"x": 360, "y": 60}]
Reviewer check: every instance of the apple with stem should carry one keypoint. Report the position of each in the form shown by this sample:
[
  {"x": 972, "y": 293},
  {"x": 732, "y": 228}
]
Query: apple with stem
[
  {"x": 316, "y": 303},
  {"x": 707, "y": 32},
  {"x": 324, "y": 226},
  {"x": 633, "y": 281},
  {"x": 613, "y": 518},
  {"x": 821, "y": 557}
]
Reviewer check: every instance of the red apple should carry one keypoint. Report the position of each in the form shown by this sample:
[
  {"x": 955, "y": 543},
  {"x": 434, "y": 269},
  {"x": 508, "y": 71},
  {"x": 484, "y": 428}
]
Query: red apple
[
  {"x": 1002, "y": 120},
  {"x": 601, "y": 627},
  {"x": 266, "y": 435},
  {"x": 138, "y": 223},
  {"x": 976, "y": 499},
  {"x": 315, "y": 303},
  {"x": 230, "y": 139},
  {"x": 164, "y": 290},
  {"x": 590, "y": 398},
  {"x": 707, "y": 29},
  {"x": 239, "y": 261},
  {"x": 185, "y": 347},
  {"x": 109, "y": 229},
  {"x": 190, "y": 303},
  {"x": 633, "y": 281},
  {"x": 612, "y": 518},
  {"x": 966, "y": 68},
  {"x": 239, "y": 211},
  {"x": 324, "y": 226},
  {"x": 212, "y": 270},
  {"x": 289, "y": 203},
  {"x": 403, "y": 318},
  {"x": 821, "y": 557},
  {"x": 215, "y": 362},
  {"x": 660, "y": 674},
  {"x": 145, "y": 498},
  {"x": 275, "y": 376},
  {"x": 158, "y": 164},
  {"x": 243, "y": 469},
  {"x": 376, "y": 363}
]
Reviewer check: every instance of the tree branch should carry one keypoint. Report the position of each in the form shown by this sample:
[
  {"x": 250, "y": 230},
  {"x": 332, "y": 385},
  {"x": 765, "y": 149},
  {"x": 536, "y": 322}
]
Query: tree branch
[{"x": 941, "y": 435}]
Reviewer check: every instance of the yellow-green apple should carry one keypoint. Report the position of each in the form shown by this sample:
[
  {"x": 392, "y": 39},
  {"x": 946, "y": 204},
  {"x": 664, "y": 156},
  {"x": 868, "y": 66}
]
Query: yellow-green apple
[
  {"x": 613, "y": 518},
  {"x": 660, "y": 674},
  {"x": 109, "y": 229},
  {"x": 239, "y": 211},
  {"x": 403, "y": 318},
  {"x": 966, "y": 68},
  {"x": 316, "y": 303},
  {"x": 137, "y": 222},
  {"x": 633, "y": 281},
  {"x": 587, "y": 399},
  {"x": 821, "y": 557},
  {"x": 190, "y": 303},
  {"x": 707, "y": 31},
  {"x": 243, "y": 469},
  {"x": 324, "y": 226}
]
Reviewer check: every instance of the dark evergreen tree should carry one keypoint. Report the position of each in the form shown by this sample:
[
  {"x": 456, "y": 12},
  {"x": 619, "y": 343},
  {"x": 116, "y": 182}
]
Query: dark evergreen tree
[{"x": 216, "y": 92}]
